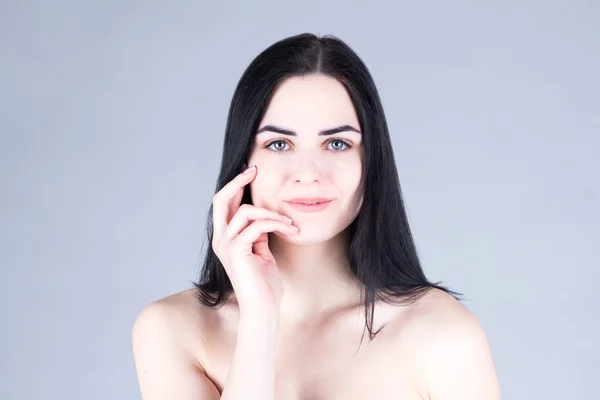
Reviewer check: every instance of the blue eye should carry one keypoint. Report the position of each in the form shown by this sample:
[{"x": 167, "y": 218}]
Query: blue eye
[
  {"x": 272, "y": 143},
  {"x": 342, "y": 142},
  {"x": 348, "y": 145}
]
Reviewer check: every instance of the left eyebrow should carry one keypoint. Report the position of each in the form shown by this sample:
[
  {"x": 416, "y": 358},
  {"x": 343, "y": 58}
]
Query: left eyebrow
[{"x": 326, "y": 132}]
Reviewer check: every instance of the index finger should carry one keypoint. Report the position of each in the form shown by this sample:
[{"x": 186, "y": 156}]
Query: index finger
[{"x": 223, "y": 210}]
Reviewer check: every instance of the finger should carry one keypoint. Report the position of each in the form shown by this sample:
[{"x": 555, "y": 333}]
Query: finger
[
  {"x": 223, "y": 198},
  {"x": 235, "y": 202},
  {"x": 252, "y": 233},
  {"x": 248, "y": 213},
  {"x": 234, "y": 206},
  {"x": 261, "y": 247}
]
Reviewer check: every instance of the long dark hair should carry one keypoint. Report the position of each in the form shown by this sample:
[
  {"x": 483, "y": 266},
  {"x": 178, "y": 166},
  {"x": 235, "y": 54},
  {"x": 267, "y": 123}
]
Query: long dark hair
[{"x": 381, "y": 249}]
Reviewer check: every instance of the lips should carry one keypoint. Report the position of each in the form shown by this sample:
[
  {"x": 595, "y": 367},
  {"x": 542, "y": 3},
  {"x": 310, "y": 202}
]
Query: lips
[
  {"x": 309, "y": 207},
  {"x": 309, "y": 200}
]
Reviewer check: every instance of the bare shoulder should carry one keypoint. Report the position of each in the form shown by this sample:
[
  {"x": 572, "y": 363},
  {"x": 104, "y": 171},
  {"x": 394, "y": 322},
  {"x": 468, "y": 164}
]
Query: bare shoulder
[
  {"x": 437, "y": 312},
  {"x": 166, "y": 349},
  {"x": 184, "y": 318},
  {"x": 456, "y": 357}
]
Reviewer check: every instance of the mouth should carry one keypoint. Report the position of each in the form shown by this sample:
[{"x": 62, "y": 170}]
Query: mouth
[
  {"x": 310, "y": 206},
  {"x": 309, "y": 201}
]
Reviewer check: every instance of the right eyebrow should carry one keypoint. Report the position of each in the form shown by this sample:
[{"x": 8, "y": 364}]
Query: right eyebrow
[{"x": 326, "y": 132}]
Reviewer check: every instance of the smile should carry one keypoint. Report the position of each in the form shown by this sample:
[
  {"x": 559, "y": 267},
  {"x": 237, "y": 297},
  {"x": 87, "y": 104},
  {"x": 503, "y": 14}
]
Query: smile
[{"x": 310, "y": 207}]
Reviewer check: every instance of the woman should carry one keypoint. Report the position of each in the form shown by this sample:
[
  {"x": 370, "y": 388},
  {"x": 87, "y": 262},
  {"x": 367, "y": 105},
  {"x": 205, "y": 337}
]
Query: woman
[{"x": 276, "y": 312}]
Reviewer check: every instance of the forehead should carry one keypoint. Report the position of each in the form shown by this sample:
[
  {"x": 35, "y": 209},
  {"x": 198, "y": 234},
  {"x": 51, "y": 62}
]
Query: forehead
[{"x": 311, "y": 102}]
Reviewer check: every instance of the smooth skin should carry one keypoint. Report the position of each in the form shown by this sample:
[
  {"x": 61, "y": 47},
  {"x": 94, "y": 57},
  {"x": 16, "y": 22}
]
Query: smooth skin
[
  {"x": 240, "y": 241},
  {"x": 296, "y": 320}
]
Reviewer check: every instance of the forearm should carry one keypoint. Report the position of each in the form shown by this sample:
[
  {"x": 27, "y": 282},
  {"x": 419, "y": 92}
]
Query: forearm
[{"x": 252, "y": 371}]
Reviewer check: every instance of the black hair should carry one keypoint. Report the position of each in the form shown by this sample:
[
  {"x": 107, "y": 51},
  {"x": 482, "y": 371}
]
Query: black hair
[{"x": 380, "y": 247}]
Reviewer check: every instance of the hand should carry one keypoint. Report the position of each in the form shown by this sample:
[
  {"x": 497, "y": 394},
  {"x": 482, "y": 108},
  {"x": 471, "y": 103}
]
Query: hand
[{"x": 240, "y": 240}]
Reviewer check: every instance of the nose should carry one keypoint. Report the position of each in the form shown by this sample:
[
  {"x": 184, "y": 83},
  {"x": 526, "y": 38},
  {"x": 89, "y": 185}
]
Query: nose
[{"x": 306, "y": 170}]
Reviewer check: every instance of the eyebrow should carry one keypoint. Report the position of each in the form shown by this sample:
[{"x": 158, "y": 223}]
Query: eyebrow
[{"x": 326, "y": 132}]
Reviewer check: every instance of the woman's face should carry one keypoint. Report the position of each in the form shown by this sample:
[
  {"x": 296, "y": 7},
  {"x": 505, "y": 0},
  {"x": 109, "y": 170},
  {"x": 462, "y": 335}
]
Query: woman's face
[{"x": 306, "y": 164}]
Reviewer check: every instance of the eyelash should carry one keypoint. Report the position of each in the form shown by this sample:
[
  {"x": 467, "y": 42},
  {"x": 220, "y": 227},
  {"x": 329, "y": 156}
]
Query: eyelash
[{"x": 348, "y": 145}]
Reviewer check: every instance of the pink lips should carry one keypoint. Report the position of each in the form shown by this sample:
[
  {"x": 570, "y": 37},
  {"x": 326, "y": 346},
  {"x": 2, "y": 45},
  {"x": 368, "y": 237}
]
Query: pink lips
[
  {"x": 306, "y": 200},
  {"x": 300, "y": 206}
]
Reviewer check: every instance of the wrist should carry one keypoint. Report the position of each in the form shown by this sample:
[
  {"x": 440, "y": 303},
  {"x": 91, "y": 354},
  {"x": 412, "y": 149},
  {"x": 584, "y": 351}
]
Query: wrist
[{"x": 258, "y": 322}]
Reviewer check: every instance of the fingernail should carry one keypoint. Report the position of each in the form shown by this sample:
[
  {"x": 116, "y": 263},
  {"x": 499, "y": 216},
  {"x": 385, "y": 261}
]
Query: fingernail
[
  {"x": 286, "y": 219},
  {"x": 249, "y": 169}
]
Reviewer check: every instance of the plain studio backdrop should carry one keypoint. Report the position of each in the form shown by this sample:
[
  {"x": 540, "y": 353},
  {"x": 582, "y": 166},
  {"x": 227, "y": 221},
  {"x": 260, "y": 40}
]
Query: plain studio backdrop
[{"x": 112, "y": 118}]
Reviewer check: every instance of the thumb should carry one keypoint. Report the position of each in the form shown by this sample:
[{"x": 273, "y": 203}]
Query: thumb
[{"x": 261, "y": 248}]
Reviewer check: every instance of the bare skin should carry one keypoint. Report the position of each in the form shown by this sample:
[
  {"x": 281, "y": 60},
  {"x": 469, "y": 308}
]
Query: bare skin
[
  {"x": 317, "y": 359},
  {"x": 295, "y": 332}
]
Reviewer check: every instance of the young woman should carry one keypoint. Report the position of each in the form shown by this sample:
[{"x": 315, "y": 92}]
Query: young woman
[{"x": 277, "y": 310}]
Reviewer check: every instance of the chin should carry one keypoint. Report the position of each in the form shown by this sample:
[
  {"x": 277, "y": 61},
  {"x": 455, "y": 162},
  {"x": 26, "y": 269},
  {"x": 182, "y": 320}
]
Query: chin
[{"x": 304, "y": 239}]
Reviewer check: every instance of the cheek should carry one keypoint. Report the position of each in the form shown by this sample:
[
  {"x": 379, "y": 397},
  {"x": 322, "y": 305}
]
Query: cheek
[
  {"x": 348, "y": 176},
  {"x": 263, "y": 187}
]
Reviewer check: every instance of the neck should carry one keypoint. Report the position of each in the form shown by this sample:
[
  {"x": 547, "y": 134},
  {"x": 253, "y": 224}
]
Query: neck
[{"x": 316, "y": 279}]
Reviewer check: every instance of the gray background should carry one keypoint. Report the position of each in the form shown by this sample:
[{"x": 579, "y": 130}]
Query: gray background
[{"x": 112, "y": 118}]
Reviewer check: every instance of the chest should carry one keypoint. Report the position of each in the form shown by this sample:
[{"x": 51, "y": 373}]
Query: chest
[
  {"x": 364, "y": 376},
  {"x": 331, "y": 364}
]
